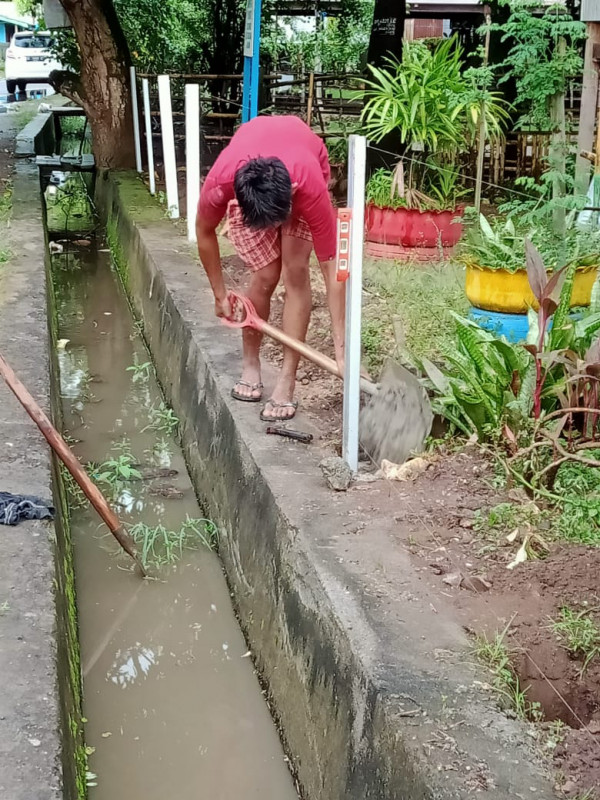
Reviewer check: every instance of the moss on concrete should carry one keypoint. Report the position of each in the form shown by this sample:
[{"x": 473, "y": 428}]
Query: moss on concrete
[{"x": 70, "y": 681}]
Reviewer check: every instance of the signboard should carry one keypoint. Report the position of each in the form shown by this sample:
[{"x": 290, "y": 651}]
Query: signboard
[
  {"x": 249, "y": 30},
  {"x": 55, "y": 16},
  {"x": 387, "y": 31}
]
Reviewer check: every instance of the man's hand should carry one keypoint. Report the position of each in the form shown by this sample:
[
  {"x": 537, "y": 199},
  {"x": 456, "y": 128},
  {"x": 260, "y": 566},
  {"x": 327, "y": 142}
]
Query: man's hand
[{"x": 223, "y": 307}]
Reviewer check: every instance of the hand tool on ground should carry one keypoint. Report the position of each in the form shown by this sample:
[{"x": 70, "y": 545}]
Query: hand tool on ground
[
  {"x": 71, "y": 462},
  {"x": 288, "y": 433},
  {"x": 397, "y": 419}
]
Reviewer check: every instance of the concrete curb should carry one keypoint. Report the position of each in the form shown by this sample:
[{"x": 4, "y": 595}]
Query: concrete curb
[
  {"x": 37, "y": 137},
  {"x": 360, "y": 673},
  {"x": 30, "y": 741}
]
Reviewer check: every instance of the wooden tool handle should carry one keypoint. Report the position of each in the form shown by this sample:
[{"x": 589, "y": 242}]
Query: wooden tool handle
[
  {"x": 66, "y": 455},
  {"x": 308, "y": 352}
]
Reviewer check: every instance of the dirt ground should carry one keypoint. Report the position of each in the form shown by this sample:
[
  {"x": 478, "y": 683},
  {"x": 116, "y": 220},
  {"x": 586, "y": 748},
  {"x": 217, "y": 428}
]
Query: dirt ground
[{"x": 436, "y": 516}]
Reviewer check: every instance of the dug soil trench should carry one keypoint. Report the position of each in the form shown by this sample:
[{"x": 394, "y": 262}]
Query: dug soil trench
[{"x": 172, "y": 703}]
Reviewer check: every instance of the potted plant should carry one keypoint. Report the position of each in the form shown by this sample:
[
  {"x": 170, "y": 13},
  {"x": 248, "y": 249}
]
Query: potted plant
[
  {"x": 435, "y": 109},
  {"x": 493, "y": 253},
  {"x": 403, "y": 221}
]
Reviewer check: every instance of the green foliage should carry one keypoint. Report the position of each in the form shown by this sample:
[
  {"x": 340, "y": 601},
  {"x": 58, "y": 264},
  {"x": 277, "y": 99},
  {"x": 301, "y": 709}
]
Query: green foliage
[
  {"x": 140, "y": 372},
  {"x": 499, "y": 243},
  {"x": 536, "y": 61},
  {"x": 578, "y": 634},
  {"x": 162, "y": 419},
  {"x": 429, "y": 101},
  {"x": 338, "y": 44},
  {"x": 577, "y": 488},
  {"x": 484, "y": 380},
  {"x": 114, "y": 471},
  {"x": 159, "y": 546},
  {"x": 337, "y": 150},
  {"x": 382, "y": 191}
]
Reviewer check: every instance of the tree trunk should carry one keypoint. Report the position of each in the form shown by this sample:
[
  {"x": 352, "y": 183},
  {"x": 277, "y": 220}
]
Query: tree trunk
[{"x": 102, "y": 89}]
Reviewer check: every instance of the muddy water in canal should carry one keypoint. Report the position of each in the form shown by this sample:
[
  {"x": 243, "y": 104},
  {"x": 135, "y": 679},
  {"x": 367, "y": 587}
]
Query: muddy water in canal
[{"x": 173, "y": 706}]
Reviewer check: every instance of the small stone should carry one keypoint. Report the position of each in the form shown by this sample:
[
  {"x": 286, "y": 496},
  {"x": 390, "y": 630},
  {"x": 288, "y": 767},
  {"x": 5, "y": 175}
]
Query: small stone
[
  {"x": 337, "y": 473},
  {"x": 475, "y": 584},
  {"x": 466, "y": 523},
  {"x": 34, "y": 742},
  {"x": 569, "y": 787}
]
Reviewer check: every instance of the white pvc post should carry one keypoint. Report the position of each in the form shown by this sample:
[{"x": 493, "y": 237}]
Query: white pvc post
[
  {"x": 148, "y": 126},
  {"x": 168, "y": 143},
  {"x": 192, "y": 155},
  {"x": 357, "y": 164},
  {"x": 136, "y": 120}
]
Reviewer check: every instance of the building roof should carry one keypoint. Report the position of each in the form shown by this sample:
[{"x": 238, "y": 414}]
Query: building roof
[{"x": 9, "y": 13}]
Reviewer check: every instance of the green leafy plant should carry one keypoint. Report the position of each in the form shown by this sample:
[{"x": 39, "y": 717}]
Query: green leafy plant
[
  {"x": 433, "y": 106},
  {"x": 578, "y": 634},
  {"x": 140, "y": 372},
  {"x": 162, "y": 419},
  {"x": 381, "y": 190},
  {"x": 484, "y": 378},
  {"x": 338, "y": 150},
  {"x": 499, "y": 243},
  {"x": 535, "y": 61},
  {"x": 114, "y": 471}
]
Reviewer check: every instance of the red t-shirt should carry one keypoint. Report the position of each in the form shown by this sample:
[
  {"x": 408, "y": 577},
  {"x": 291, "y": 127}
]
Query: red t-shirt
[{"x": 305, "y": 156}]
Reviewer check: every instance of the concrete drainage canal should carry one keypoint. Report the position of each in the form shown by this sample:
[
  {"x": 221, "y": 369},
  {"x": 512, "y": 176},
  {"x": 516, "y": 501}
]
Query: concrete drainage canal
[{"x": 171, "y": 704}]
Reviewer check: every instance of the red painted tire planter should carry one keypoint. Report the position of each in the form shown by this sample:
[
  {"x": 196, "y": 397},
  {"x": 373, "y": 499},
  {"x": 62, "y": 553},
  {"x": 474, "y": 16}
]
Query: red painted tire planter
[{"x": 409, "y": 233}]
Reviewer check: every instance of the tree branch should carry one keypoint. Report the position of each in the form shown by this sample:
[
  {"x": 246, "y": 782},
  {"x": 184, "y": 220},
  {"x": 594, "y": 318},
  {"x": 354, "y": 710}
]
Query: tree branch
[{"x": 69, "y": 84}]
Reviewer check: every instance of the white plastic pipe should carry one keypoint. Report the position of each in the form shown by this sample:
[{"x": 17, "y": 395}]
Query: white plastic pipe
[
  {"x": 168, "y": 143},
  {"x": 192, "y": 155},
  {"x": 148, "y": 126},
  {"x": 357, "y": 164},
  {"x": 136, "y": 120}
]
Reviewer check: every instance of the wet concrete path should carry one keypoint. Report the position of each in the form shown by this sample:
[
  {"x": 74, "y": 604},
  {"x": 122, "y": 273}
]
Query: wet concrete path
[{"x": 173, "y": 706}]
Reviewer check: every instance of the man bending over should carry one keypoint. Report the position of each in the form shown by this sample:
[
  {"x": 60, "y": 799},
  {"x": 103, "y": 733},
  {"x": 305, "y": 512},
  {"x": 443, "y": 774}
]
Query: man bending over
[{"x": 272, "y": 181}]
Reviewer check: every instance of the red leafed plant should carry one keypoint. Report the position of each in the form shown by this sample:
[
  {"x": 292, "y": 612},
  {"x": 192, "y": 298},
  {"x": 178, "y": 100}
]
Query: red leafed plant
[{"x": 547, "y": 291}]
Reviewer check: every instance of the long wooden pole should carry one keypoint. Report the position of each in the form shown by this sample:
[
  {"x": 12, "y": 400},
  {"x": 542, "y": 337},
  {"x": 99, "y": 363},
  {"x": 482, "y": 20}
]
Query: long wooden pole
[{"x": 68, "y": 458}]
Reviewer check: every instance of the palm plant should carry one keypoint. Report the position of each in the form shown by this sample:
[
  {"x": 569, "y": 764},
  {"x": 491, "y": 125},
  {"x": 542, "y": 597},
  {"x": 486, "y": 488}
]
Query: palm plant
[{"x": 432, "y": 105}]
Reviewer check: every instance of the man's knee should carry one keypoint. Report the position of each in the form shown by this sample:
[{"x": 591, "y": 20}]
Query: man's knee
[{"x": 266, "y": 279}]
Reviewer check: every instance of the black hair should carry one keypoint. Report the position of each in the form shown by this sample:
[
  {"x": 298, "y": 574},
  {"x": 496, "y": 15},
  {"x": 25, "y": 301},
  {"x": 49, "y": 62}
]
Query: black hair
[{"x": 263, "y": 189}]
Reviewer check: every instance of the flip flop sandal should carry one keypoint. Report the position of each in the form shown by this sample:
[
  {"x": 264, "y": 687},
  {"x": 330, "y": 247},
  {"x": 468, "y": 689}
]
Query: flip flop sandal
[
  {"x": 273, "y": 405},
  {"x": 247, "y": 398}
]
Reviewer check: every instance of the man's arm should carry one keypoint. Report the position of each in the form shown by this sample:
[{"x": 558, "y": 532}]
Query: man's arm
[
  {"x": 208, "y": 250},
  {"x": 336, "y": 300}
]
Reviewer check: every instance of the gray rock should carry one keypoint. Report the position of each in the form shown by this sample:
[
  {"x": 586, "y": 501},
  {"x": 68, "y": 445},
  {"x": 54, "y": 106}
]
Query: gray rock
[{"x": 337, "y": 473}]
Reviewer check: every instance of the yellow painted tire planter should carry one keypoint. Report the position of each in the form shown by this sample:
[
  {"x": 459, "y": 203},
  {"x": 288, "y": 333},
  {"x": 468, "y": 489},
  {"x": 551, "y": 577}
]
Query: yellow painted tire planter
[{"x": 510, "y": 293}]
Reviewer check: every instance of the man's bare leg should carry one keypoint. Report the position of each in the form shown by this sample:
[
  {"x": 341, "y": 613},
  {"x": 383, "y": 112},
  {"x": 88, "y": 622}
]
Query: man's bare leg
[
  {"x": 260, "y": 291},
  {"x": 295, "y": 258}
]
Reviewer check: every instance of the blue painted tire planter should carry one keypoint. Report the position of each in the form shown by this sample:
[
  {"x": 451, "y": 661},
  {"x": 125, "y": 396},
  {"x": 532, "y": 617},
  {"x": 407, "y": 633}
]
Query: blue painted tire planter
[{"x": 513, "y": 327}]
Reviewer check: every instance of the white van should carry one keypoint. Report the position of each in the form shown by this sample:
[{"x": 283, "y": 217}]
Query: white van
[{"x": 29, "y": 60}]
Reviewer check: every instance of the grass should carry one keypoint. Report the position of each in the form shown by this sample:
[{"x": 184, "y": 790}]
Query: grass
[
  {"x": 579, "y": 519},
  {"x": 578, "y": 634},
  {"x": 75, "y": 494},
  {"x": 160, "y": 547},
  {"x": 409, "y": 308},
  {"x": 494, "y": 654}
]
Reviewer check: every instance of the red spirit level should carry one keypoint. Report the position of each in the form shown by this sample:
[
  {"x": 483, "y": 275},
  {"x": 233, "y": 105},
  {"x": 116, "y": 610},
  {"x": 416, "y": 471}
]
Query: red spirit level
[{"x": 342, "y": 266}]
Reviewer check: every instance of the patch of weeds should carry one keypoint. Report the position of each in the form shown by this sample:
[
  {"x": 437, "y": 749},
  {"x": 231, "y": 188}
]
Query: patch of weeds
[
  {"x": 162, "y": 419},
  {"x": 6, "y": 202},
  {"x": 114, "y": 471},
  {"x": 159, "y": 546},
  {"x": 496, "y": 657},
  {"x": 579, "y": 518},
  {"x": 578, "y": 634},
  {"x": 418, "y": 303},
  {"x": 373, "y": 340},
  {"x": 502, "y": 519},
  {"x": 4, "y": 607},
  {"x": 140, "y": 372},
  {"x": 556, "y": 734},
  {"x": 75, "y": 494}
]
